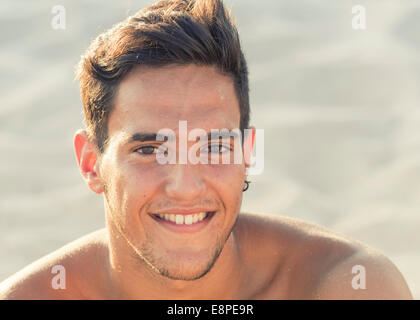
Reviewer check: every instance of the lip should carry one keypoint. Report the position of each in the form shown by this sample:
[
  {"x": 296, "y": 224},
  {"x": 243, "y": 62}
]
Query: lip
[
  {"x": 184, "y": 228},
  {"x": 184, "y": 212}
]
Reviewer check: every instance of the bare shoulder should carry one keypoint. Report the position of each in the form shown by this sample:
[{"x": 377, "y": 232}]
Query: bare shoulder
[
  {"x": 60, "y": 274},
  {"x": 308, "y": 261},
  {"x": 365, "y": 275}
]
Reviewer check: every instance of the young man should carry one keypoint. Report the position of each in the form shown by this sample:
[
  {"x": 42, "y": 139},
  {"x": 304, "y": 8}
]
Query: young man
[{"x": 174, "y": 230}]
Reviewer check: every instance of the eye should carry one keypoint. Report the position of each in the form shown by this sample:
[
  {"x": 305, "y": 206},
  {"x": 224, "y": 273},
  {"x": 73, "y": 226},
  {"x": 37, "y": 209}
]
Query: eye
[
  {"x": 147, "y": 150},
  {"x": 218, "y": 148}
]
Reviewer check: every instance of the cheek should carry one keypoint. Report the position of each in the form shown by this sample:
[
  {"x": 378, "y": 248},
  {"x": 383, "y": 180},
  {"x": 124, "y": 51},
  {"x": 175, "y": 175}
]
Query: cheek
[
  {"x": 138, "y": 184},
  {"x": 129, "y": 185},
  {"x": 228, "y": 180}
]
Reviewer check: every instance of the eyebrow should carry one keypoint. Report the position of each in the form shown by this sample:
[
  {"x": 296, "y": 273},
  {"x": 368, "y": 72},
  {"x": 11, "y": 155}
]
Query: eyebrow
[
  {"x": 144, "y": 136},
  {"x": 141, "y": 137}
]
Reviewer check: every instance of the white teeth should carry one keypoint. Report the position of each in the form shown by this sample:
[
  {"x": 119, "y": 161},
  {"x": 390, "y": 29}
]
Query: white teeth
[
  {"x": 184, "y": 219},
  {"x": 201, "y": 216},
  {"x": 179, "y": 219},
  {"x": 188, "y": 219}
]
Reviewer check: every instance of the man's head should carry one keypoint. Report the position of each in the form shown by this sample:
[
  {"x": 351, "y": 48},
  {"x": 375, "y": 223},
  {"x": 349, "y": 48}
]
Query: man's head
[
  {"x": 169, "y": 32},
  {"x": 176, "y": 60}
]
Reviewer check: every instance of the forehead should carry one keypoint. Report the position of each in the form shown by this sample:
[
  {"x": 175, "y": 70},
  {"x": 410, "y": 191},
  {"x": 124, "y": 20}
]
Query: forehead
[{"x": 149, "y": 99}]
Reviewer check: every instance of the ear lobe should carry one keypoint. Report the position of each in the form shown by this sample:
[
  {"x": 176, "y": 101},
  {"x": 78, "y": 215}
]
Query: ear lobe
[{"x": 86, "y": 155}]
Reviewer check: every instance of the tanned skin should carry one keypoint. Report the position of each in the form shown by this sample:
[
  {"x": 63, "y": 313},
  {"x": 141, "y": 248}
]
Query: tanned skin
[{"x": 236, "y": 256}]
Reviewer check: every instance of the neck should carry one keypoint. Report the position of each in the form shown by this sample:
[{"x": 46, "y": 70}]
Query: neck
[{"x": 132, "y": 278}]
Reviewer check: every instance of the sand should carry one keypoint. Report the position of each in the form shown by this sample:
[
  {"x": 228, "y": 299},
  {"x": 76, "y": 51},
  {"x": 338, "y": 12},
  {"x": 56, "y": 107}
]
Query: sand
[{"x": 338, "y": 106}]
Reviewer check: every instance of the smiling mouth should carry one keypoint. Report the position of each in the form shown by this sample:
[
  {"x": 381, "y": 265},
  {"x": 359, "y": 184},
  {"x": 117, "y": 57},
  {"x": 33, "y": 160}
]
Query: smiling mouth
[{"x": 184, "y": 219}]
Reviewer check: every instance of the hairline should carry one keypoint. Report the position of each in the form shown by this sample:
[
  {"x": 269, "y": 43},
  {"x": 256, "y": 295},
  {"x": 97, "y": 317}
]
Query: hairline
[{"x": 133, "y": 68}]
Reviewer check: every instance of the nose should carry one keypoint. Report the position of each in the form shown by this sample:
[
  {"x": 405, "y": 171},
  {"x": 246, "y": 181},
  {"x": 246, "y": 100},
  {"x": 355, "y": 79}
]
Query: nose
[{"x": 185, "y": 182}]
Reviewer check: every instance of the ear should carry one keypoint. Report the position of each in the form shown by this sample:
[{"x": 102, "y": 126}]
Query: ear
[
  {"x": 248, "y": 147},
  {"x": 87, "y": 156}
]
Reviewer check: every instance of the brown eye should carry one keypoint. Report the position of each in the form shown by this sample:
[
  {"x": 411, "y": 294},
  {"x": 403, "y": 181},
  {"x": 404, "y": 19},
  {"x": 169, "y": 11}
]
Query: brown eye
[
  {"x": 215, "y": 148},
  {"x": 218, "y": 148},
  {"x": 147, "y": 150}
]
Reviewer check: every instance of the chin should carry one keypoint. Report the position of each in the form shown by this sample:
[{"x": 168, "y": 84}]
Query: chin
[
  {"x": 188, "y": 268},
  {"x": 187, "y": 273}
]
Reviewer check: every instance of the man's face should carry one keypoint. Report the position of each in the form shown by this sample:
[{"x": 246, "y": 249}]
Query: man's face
[{"x": 138, "y": 187}]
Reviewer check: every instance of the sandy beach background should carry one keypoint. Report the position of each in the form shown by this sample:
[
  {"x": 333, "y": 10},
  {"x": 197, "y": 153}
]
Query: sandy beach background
[{"x": 339, "y": 108}]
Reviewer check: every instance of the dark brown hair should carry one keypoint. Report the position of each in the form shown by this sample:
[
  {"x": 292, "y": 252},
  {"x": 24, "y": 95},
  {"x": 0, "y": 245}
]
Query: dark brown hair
[{"x": 169, "y": 32}]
